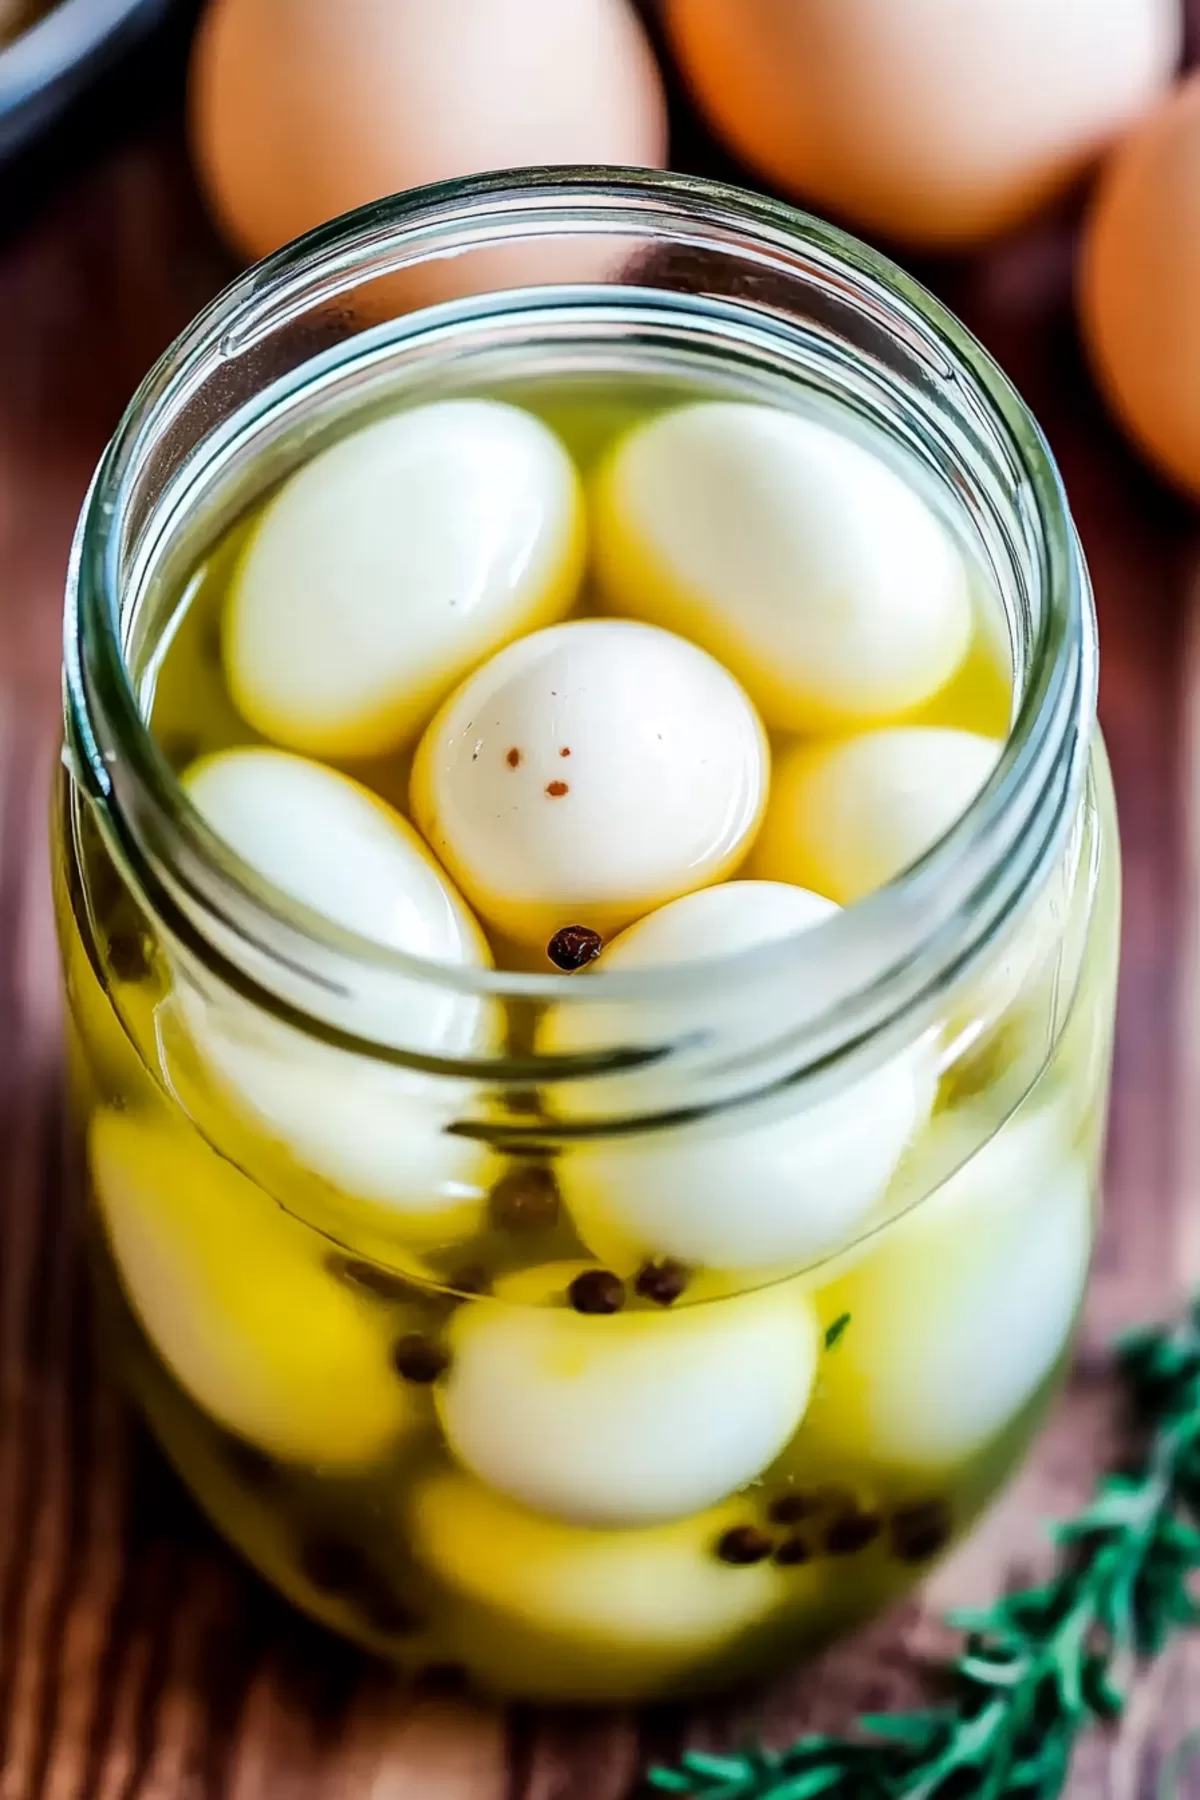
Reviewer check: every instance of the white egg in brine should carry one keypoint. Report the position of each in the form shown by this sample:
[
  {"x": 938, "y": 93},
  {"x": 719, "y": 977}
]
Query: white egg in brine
[
  {"x": 335, "y": 847},
  {"x": 373, "y": 1131},
  {"x": 392, "y": 563},
  {"x": 815, "y": 573},
  {"x": 570, "y": 1611},
  {"x": 847, "y": 817},
  {"x": 235, "y": 1298},
  {"x": 621, "y": 1417},
  {"x": 963, "y": 1309},
  {"x": 589, "y": 773},
  {"x": 770, "y": 1183}
]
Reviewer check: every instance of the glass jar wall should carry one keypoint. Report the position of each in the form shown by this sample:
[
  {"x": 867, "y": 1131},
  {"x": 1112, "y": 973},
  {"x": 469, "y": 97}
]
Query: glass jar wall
[{"x": 619, "y": 1333}]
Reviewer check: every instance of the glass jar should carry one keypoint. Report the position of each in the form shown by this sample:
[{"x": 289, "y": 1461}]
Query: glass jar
[{"x": 831, "y": 1198}]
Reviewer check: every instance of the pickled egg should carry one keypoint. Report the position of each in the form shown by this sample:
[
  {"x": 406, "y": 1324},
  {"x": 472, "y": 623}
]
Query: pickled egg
[
  {"x": 618, "y": 1417},
  {"x": 765, "y": 1184},
  {"x": 233, "y": 1295},
  {"x": 370, "y": 1130},
  {"x": 392, "y": 563},
  {"x": 329, "y": 843},
  {"x": 848, "y": 816},
  {"x": 937, "y": 123},
  {"x": 589, "y": 773},
  {"x": 567, "y": 1611},
  {"x": 817, "y": 575},
  {"x": 961, "y": 1312}
]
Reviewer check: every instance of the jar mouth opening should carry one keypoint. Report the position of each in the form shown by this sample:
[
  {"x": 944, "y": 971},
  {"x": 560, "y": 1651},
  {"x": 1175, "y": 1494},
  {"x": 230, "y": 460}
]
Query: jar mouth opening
[{"x": 873, "y": 961}]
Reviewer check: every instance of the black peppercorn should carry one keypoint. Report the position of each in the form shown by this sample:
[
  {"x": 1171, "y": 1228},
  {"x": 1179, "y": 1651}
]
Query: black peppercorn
[
  {"x": 791, "y": 1509},
  {"x": 743, "y": 1545},
  {"x": 597, "y": 1291},
  {"x": 525, "y": 1198},
  {"x": 662, "y": 1282},
  {"x": 920, "y": 1531},
  {"x": 574, "y": 947},
  {"x": 419, "y": 1359},
  {"x": 792, "y": 1552},
  {"x": 852, "y": 1533}
]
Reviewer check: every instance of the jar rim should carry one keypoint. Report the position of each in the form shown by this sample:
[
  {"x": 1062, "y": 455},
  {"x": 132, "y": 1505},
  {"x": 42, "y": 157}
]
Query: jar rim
[{"x": 911, "y": 936}]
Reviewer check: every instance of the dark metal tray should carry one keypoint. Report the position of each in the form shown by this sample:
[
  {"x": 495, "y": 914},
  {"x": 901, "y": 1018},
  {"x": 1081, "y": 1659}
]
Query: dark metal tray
[{"x": 50, "y": 63}]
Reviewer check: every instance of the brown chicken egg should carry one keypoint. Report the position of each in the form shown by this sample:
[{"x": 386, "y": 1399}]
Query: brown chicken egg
[
  {"x": 935, "y": 122},
  {"x": 1139, "y": 285},
  {"x": 302, "y": 109}
]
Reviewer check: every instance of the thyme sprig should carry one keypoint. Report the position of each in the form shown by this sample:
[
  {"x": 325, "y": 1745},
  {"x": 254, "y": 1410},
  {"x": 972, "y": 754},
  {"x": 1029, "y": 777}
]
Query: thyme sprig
[{"x": 1039, "y": 1665}]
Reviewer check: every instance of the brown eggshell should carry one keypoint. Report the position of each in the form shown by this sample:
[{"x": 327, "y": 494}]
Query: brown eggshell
[
  {"x": 1139, "y": 285},
  {"x": 938, "y": 123},
  {"x": 302, "y": 109}
]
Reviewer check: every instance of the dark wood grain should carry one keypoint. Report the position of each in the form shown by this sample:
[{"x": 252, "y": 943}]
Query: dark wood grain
[{"x": 138, "y": 1658}]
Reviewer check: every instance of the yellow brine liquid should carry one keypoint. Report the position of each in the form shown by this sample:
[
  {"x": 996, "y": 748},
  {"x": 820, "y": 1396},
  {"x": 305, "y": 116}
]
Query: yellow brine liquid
[{"x": 630, "y": 1385}]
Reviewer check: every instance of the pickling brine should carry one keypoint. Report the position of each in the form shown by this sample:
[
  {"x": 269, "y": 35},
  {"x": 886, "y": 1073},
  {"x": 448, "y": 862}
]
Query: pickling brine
[{"x": 590, "y": 1020}]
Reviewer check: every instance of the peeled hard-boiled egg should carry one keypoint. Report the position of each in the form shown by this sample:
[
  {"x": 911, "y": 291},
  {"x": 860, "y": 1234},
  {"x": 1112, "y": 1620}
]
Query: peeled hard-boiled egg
[
  {"x": 935, "y": 122},
  {"x": 802, "y": 561},
  {"x": 1140, "y": 285},
  {"x": 331, "y": 844},
  {"x": 372, "y": 1131},
  {"x": 233, "y": 1295},
  {"x": 963, "y": 1309},
  {"x": 622, "y": 1418},
  {"x": 566, "y": 1611},
  {"x": 364, "y": 1151},
  {"x": 767, "y": 1183},
  {"x": 846, "y": 817},
  {"x": 393, "y": 562},
  {"x": 588, "y": 773},
  {"x": 302, "y": 110}
]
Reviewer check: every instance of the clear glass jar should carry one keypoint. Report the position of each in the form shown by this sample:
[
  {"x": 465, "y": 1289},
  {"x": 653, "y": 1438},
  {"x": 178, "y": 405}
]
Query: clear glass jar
[{"x": 333, "y": 1261}]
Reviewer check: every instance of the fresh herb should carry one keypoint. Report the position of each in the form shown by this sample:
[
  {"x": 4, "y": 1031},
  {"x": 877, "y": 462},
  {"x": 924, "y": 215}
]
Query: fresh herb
[
  {"x": 1039, "y": 1665},
  {"x": 834, "y": 1332}
]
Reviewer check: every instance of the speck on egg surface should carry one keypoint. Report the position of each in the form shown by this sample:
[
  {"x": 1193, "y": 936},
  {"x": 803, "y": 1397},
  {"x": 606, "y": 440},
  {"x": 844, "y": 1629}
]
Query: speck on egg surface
[{"x": 588, "y": 773}]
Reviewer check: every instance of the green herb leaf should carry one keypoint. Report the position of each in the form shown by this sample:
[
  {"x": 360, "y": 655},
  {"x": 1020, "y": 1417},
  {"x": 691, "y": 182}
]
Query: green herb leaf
[
  {"x": 835, "y": 1332},
  {"x": 1038, "y": 1666}
]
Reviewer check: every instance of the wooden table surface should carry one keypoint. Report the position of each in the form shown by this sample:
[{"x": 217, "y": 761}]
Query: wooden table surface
[{"x": 138, "y": 1657}]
